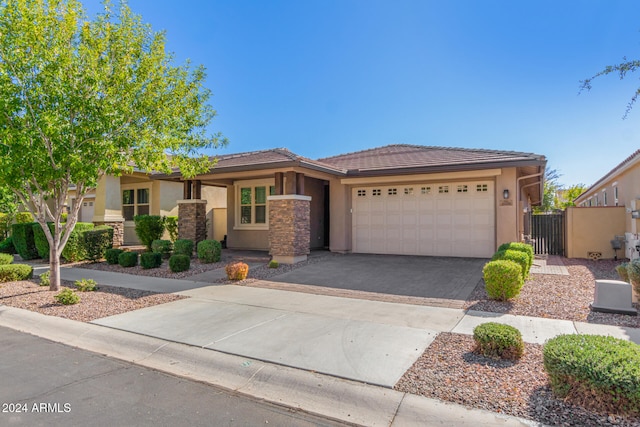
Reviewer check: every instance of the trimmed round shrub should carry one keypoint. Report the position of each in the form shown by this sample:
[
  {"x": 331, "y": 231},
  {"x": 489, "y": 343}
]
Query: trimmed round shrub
[
  {"x": 67, "y": 297},
  {"x": 183, "y": 247},
  {"x": 237, "y": 271},
  {"x": 633, "y": 270},
  {"x": 598, "y": 372},
  {"x": 112, "y": 255},
  {"x": 273, "y": 264},
  {"x": 522, "y": 247},
  {"x": 148, "y": 228},
  {"x": 6, "y": 246},
  {"x": 179, "y": 262},
  {"x": 209, "y": 251},
  {"x": 150, "y": 260},
  {"x": 163, "y": 247},
  {"x": 496, "y": 340},
  {"x": 621, "y": 269},
  {"x": 128, "y": 259},
  {"x": 518, "y": 257},
  {"x": 502, "y": 279},
  {"x": 45, "y": 278},
  {"x": 6, "y": 259},
  {"x": 86, "y": 285},
  {"x": 14, "y": 272}
]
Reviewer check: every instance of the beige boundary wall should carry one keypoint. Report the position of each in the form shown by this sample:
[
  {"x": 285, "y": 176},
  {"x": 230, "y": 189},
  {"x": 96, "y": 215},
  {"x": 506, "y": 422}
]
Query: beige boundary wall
[{"x": 592, "y": 229}]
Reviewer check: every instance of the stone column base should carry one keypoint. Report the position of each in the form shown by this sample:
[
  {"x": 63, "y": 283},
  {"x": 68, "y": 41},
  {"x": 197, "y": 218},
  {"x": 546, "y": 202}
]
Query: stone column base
[
  {"x": 289, "y": 228},
  {"x": 192, "y": 220},
  {"x": 118, "y": 231}
]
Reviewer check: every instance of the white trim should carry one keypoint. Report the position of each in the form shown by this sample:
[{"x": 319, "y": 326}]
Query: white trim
[
  {"x": 479, "y": 174},
  {"x": 289, "y": 197},
  {"x": 252, "y": 183}
]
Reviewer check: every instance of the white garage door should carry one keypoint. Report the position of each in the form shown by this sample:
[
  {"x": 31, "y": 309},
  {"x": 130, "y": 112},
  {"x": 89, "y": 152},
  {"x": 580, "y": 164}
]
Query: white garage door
[{"x": 445, "y": 219}]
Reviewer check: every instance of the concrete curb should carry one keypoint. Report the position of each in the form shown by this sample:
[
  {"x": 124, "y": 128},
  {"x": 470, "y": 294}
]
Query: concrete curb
[{"x": 330, "y": 397}]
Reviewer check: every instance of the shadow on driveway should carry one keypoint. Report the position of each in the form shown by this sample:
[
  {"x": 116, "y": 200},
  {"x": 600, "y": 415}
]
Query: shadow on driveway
[{"x": 413, "y": 276}]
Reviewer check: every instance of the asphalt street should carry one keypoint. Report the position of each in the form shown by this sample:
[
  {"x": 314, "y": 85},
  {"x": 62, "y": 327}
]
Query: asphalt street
[{"x": 43, "y": 383}]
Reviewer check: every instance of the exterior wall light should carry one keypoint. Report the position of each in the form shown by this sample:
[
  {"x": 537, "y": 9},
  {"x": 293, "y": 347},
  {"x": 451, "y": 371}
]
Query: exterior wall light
[{"x": 505, "y": 194}]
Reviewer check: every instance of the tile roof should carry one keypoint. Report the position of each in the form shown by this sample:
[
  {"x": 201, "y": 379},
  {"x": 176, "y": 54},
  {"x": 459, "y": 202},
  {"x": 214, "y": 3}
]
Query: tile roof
[
  {"x": 633, "y": 156},
  {"x": 267, "y": 158},
  {"x": 405, "y": 156}
]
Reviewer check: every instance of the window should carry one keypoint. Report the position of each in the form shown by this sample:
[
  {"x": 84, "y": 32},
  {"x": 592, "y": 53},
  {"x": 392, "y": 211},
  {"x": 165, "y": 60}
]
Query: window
[
  {"x": 425, "y": 190},
  {"x": 615, "y": 195},
  {"x": 251, "y": 202},
  {"x": 463, "y": 189},
  {"x": 362, "y": 193},
  {"x": 408, "y": 191},
  {"x": 604, "y": 198},
  {"x": 482, "y": 188},
  {"x": 135, "y": 202},
  {"x": 443, "y": 189},
  {"x": 392, "y": 191},
  {"x": 376, "y": 192}
]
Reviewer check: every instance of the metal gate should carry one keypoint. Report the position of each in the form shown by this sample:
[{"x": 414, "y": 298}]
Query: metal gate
[{"x": 547, "y": 232}]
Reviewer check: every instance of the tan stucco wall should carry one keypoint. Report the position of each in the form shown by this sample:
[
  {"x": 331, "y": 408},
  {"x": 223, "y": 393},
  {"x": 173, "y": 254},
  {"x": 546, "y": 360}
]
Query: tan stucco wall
[
  {"x": 591, "y": 230},
  {"x": 507, "y": 223},
  {"x": 108, "y": 203},
  {"x": 243, "y": 239},
  {"x": 340, "y": 216}
]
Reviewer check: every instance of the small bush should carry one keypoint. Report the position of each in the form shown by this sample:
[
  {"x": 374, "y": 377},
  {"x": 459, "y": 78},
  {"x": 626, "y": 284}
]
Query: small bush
[
  {"x": 111, "y": 255},
  {"x": 40, "y": 239},
  {"x": 179, "y": 262},
  {"x": 183, "y": 247},
  {"x": 496, "y": 340},
  {"x": 5, "y": 225},
  {"x": 273, "y": 264},
  {"x": 522, "y": 247},
  {"x": 598, "y": 372},
  {"x": 150, "y": 260},
  {"x": 24, "y": 241},
  {"x": 633, "y": 271},
  {"x": 45, "y": 278},
  {"x": 621, "y": 269},
  {"x": 75, "y": 249},
  {"x": 209, "y": 251},
  {"x": 15, "y": 272},
  {"x": 171, "y": 224},
  {"x": 516, "y": 256},
  {"x": 86, "y": 285},
  {"x": 6, "y": 259},
  {"x": 97, "y": 242},
  {"x": 128, "y": 259},
  {"x": 163, "y": 247},
  {"x": 148, "y": 228},
  {"x": 6, "y": 246},
  {"x": 24, "y": 217},
  {"x": 237, "y": 271},
  {"x": 67, "y": 297},
  {"x": 502, "y": 279}
]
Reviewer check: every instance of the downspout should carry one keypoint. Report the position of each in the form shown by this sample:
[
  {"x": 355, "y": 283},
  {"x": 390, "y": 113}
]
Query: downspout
[{"x": 519, "y": 193}]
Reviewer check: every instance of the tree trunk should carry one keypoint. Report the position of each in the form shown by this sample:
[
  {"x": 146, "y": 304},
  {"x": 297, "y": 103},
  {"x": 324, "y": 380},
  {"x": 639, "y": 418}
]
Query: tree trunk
[{"x": 54, "y": 268}]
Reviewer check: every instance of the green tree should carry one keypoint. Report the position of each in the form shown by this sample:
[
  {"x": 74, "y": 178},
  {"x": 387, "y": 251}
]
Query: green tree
[
  {"x": 621, "y": 70},
  {"x": 82, "y": 98},
  {"x": 568, "y": 195},
  {"x": 551, "y": 187}
]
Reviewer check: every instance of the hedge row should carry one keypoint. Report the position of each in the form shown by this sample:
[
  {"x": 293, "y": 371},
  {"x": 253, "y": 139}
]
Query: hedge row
[{"x": 509, "y": 267}]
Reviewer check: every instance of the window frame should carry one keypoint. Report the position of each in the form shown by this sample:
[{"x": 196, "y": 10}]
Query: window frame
[
  {"x": 135, "y": 188},
  {"x": 252, "y": 184}
]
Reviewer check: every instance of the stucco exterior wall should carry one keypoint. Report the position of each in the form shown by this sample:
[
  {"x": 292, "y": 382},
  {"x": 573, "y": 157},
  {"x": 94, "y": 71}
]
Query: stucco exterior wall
[
  {"x": 243, "y": 239},
  {"x": 507, "y": 223},
  {"x": 315, "y": 189},
  {"x": 591, "y": 230},
  {"x": 340, "y": 216}
]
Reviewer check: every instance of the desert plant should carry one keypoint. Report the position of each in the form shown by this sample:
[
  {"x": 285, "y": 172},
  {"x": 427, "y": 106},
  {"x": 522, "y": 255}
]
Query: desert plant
[
  {"x": 600, "y": 372},
  {"x": 148, "y": 228},
  {"x": 633, "y": 270},
  {"x": 171, "y": 224},
  {"x": 209, "y": 251},
  {"x": 128, "y": 259},
  {"x": 273, "y": 264},
  {"x": 179, "y": 262},
  {"x": 237, "y": 271},
  {"x": 6, "y": 259},
  {"x": 86, "y": 285},
  {"x": 97, "y": 242},
  {"x": 621, "y": 269},
  {"x": 498, "y": 341},
  {"x": 516, "y": 256},
  {"x": 6, "y": 246},
  {"x": 183, "y": 247},
  {"x": 75, "y": 249},
  {"x": 163, "y": 247},
  {"x": 111, "y": 255},
  {"x": 67, "y": 297},
  {"x": 14, "y": 272},
  {"x": 150, "y": 260},
  {"x": 45, "y": 278},
  {"x": 23, "y": 240},
  {"x": 503, "y": 279}
]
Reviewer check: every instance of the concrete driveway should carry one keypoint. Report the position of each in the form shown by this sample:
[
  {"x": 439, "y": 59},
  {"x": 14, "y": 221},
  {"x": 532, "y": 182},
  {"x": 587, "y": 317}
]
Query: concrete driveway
[{"x": 412, "y": 276}]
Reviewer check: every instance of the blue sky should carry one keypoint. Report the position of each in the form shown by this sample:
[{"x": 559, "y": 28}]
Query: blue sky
[{"x": 325, "y": 77}]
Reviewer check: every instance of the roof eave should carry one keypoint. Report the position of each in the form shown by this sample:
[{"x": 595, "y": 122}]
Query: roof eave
[{"x": 445, "y": 168}]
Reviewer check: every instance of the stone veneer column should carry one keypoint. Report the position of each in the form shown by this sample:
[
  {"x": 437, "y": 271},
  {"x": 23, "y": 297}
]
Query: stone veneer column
[
  {"x": 118, "y": 231},
  {"x": 289, "y": 228},
  {"x": 192, "y": 220}
]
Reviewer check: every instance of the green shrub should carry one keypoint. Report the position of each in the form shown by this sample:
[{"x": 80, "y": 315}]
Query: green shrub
[
  {"x": 621, "y": 269},
  {"x": 45, "y": 278},
  {"x": 498, "y": 341},
  {"x": 111, "y": 255},
  {"x": 273, "y": 264},
  {"x": 40, "y": 239},
  {"x": 502, "y": 279},
  {"x": 150, "y": 260},
  {"x": 518, "y": 257},
  {"x": 163, "y": 247},
  {"x": 86, "y": 285},
  {"x": 209, "y": 251},
  {"x": 179, "y": 262},
  {"x": 67, "y": 297},
  {"x": 5, "y": 225},
  {"x": 97, "y": 242},
  {"x": 171, "y": 224},
  {"x": 148, "y": 228},
  {"x": 633, "y": 270},
  {"x": 128, "y": 259},
  {"x": 24, "y": 217},
  {"x": 23, "y": 240},
  {"x": 15, "y": 272},
  {"x": 75, "y": 249},
  {"x": 183, "y": 247},
  {"x": 6, "y": 259},
  {"x": 522, "y": 247},
  {"x": 6, "y": 246},
  {"x": 595, "y": 370}
]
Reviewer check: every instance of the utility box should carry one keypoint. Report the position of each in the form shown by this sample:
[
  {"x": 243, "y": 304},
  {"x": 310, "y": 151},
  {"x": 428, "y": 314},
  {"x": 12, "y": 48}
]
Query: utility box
[{"x": 613, "y": 296}]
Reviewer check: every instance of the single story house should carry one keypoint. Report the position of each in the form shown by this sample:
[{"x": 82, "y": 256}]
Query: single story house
[{"x": 396, "y": 199}]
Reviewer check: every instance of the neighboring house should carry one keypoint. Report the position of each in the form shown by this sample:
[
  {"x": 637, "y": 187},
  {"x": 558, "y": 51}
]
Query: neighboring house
[{"x": 397, "y": 199}]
